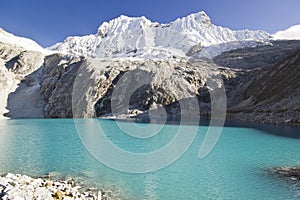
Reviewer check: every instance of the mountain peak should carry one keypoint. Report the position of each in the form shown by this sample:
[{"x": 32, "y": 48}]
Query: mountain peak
[
  {"x": 122, "y": 23},
  {"x": 123, "y": 35},
  {"x": 200, "y": 17}
]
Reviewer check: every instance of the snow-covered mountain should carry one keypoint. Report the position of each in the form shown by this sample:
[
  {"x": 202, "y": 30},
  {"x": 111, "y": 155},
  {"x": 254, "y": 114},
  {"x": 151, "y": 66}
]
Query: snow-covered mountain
[
  {"x": 26, "y": 43},
  {"x": 36, "y": 84},
  {"x": 292, "y": 33},
  {"x": 138, "y": 36}
]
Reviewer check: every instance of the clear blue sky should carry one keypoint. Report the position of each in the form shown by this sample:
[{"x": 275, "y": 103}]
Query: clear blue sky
[{"x": 51, "y": 21}]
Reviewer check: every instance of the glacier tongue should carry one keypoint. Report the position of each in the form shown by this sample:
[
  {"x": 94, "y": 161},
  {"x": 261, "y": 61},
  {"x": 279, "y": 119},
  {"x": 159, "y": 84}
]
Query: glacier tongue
[{"x": 138, "y": 36}]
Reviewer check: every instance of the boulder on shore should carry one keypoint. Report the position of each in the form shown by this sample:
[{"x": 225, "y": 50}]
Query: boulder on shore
[{"x": 291, "y": 173}]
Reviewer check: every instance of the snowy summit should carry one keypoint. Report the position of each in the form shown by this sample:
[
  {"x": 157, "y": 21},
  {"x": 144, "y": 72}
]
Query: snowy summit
[{"x": 138, "y": 36}]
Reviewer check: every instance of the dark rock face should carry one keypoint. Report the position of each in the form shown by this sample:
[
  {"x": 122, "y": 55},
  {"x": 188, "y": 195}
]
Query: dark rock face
[
  {"x": 141, "y": 99},
  {"x": 57, "y": 84},
  {"x": 75, "y": 87},
  {"x": 131, "y": 88}
]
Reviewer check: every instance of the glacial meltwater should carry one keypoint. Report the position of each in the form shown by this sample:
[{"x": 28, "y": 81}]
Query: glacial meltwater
[{"x": 238, "y": 167}]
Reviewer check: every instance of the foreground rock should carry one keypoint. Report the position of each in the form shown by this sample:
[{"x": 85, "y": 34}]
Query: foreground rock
[{"x": 15, "y": 186}]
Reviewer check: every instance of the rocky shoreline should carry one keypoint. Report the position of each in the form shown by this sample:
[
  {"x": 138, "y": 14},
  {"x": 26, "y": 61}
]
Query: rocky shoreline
[
  {"x": 280, "y": 118},
  {"x": 16, "y": 186}
]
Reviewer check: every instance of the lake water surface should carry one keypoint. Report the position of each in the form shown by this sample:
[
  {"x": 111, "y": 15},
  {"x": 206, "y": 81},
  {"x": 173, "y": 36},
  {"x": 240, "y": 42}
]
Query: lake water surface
[{"x": 237, "y": 168}]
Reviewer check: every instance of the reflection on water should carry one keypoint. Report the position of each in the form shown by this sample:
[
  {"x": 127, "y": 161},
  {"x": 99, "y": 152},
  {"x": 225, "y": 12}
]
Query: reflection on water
[{"x": 151, "y": 183}]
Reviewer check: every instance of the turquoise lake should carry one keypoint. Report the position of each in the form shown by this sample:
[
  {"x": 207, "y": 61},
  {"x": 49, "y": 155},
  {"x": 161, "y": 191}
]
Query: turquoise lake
[{"x": 237, "y": 168}]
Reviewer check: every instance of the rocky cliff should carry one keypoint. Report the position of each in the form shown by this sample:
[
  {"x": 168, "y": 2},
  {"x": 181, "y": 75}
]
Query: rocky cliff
[{"x": 74, "y": 86}]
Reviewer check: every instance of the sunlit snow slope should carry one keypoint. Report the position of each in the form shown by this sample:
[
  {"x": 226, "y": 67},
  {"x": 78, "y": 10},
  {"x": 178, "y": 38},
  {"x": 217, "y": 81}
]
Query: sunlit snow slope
[{"x": 292, "y": 33}]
